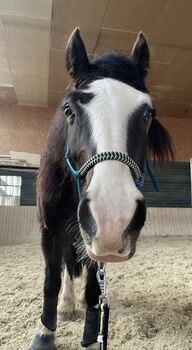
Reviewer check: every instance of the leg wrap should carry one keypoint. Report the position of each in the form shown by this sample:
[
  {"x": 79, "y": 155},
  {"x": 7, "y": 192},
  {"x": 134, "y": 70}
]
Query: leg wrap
[
  {"x": 49, "y": 315},
  {"x": 91, "y": 327}
]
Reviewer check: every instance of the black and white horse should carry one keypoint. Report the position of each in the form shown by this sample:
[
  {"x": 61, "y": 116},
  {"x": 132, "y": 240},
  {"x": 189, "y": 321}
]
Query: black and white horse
[{"x": 108, "y": 110}]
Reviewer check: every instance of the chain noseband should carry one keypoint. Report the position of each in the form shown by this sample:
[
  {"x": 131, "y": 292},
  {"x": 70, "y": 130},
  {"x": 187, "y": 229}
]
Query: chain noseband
[{"x": 100, "y": 157}]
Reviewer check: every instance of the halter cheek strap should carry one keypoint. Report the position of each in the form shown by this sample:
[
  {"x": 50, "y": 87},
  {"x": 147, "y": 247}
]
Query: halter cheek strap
[
  {"x": 74, "y": 172},
  {"x": 152, "y": 177},
  {"x": 111, "y": 155}
]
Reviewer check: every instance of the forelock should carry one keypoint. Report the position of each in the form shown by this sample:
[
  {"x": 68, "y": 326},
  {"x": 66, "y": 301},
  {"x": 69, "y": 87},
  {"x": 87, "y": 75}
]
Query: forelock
[{"x": 118, "y": 66}]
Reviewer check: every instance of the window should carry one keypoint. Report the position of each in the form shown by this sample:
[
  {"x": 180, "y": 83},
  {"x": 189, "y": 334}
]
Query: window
[{"x": 10, "y": 190}]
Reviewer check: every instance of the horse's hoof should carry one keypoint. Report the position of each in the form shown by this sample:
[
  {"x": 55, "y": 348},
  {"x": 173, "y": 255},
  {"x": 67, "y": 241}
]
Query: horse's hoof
[{"x": 43, "y": 342}]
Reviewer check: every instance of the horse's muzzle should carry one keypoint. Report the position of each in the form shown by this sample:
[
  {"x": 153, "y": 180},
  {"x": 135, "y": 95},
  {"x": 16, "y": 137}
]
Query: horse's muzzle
[{"x": 109, "y": 242}]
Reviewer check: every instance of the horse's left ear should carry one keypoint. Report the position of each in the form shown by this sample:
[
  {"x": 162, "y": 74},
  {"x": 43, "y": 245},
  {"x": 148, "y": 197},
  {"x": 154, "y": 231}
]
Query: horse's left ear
[
  {"x": 76, "y": 56},
  {"x": 141, "y": 54}
]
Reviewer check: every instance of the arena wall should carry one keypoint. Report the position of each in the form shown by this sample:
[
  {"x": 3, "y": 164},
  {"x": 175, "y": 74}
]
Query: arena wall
[
  {"x": 19, "y": 225},
  {"x": 24, "y": 129}
]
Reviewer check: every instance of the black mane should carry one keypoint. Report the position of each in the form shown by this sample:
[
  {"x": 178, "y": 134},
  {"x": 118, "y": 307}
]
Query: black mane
[{"x": 120, "y": 67}]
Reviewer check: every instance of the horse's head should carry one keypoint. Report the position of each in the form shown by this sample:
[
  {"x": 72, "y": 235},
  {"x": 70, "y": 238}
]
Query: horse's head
[{"x": 110, "y": 109}]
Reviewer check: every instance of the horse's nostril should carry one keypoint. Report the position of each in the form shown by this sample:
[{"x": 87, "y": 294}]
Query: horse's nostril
[
  {"x": 138, "y": 219},
  {"x": 121, "y": 250},
  {"x": 86, "y": 219}
]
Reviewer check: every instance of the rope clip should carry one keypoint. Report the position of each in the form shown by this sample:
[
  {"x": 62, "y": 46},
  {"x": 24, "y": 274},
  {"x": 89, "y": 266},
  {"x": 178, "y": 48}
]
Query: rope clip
[{"x": 103, "y": 282}]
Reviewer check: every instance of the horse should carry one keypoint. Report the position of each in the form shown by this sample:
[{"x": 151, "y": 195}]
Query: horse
[{"x": 90, "y": 205}]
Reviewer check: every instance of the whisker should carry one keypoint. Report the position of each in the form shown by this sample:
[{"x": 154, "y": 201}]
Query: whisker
[
  {"x": 74, "y": 229},
  {"x": 73, "y": 222},
  {"x": 78, "y": 243}
]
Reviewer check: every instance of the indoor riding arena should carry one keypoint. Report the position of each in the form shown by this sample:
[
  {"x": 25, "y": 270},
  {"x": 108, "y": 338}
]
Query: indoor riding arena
[{"x": 150, "y": 295}]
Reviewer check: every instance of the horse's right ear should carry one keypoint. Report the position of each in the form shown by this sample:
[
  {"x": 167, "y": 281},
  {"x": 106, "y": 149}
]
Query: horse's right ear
[{"x": 76, "y": 56}]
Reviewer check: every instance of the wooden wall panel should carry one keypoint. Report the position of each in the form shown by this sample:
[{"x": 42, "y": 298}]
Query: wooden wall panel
[
  {"x": 18, "y": 225},
  {"x": 168, "y": 222}
]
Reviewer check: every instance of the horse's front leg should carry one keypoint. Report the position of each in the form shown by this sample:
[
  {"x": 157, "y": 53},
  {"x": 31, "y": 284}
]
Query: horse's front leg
[
  {"x": 52, "y": 249},
  {"x": 92, "y": 293},
  {"x": 66, "y": 305}
]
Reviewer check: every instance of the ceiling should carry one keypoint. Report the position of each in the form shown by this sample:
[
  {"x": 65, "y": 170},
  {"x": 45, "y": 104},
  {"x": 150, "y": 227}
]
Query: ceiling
[{"x": 33, "y": 37}]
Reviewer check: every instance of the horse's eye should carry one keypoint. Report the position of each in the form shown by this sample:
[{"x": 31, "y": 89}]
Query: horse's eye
[
  {"x": 149, "y": 114},
  {"x": 68, "y": 111}
]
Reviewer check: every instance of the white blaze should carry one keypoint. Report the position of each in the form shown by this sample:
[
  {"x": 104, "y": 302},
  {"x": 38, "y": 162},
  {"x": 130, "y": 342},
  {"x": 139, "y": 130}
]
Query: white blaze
[{"x": 112, "y": 190}]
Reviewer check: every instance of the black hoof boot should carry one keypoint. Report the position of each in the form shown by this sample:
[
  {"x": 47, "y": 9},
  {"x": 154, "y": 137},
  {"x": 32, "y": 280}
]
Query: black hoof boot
[{"x": 43, "y": 342}]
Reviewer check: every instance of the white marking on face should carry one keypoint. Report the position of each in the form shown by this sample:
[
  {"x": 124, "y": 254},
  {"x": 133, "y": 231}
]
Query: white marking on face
[
  {"x": 112, "y": 190},
  {"x": 110, "y": 111}
]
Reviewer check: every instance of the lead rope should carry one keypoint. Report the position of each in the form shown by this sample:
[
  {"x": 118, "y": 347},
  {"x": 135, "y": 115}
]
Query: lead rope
[{"x": 103, "y": 307}]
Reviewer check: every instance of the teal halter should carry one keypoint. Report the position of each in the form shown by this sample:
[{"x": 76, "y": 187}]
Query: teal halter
[{"x": 111, "y": 155}]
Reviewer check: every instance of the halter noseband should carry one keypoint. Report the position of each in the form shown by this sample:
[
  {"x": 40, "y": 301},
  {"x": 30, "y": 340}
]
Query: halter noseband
[{"x": 110, "y": 155}]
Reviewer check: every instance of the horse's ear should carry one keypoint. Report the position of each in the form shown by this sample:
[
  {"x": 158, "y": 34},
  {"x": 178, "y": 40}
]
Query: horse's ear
[
  {"x": 141, "y": 54},
  {"x": 76, "y": 55},
  {"x": 159, "y": 142}
]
